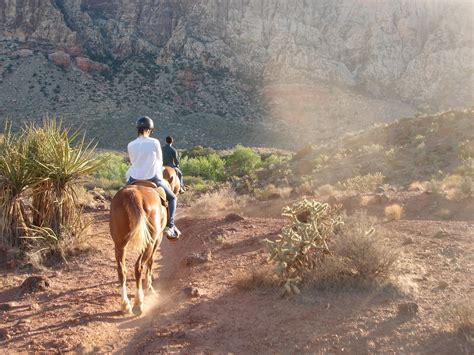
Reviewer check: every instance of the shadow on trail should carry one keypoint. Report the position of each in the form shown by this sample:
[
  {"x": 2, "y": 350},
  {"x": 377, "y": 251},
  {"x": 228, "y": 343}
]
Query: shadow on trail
[{"x": 258, "y": 321}]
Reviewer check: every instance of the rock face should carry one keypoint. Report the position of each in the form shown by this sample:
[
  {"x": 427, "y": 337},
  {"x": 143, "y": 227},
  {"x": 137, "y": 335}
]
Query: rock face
[
  {"x": 327, "y": 66},
  {"x": 87, "y": 65},
  {"x": 60, "y": 58}
]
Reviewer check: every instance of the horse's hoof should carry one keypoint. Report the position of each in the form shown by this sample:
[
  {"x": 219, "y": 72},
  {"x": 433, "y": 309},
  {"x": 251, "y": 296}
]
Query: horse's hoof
[
  {"x": 126, "y": 307},
  {"x": 137, "y": 309}
]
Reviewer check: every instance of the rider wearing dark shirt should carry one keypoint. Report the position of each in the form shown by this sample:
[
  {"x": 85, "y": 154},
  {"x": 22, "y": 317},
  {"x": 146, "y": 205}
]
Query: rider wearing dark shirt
[{"x": 171, "y": 158}]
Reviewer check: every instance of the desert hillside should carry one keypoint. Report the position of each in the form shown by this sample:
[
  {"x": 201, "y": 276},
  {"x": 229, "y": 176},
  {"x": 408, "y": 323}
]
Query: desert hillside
[{"x": 373, "y": 252}]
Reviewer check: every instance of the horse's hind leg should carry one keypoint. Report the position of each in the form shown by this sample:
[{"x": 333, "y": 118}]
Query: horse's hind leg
[
  {"x": 149, "y": 274},
  {"x": 139, "y": 268},
  {"x": 122, "y": 275}
]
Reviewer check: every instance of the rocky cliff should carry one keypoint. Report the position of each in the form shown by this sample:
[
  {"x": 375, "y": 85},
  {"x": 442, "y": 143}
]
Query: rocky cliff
[{"x": 224, "y": 71}]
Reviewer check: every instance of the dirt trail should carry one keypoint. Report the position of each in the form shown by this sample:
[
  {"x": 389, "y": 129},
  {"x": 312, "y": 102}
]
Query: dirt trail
[{"x": 79, "y": 312}]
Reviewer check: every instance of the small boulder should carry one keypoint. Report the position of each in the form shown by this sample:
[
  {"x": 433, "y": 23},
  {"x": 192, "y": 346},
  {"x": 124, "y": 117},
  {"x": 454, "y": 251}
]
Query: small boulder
[
  {"x": 198, "y": 258},
  {"x": 191, "y": 292},
  {"x": 87, "y": 65},
  {"x": 233, "y": 217},
  {"x": 35, "y": 284},
  {"x": 4, "y": 334},
  {"x": 407, "y": 309},
  {"x": 407, "y": 241},
  {"x": 22, "y": 53},
  {"x": 60, "y": 58}
]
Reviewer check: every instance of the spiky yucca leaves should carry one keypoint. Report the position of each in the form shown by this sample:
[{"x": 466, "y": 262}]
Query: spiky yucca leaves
[
  {"x": 15, "y": 178},
  {"x": 303, "y": 242},
  {"x": 58, "y": 160}
]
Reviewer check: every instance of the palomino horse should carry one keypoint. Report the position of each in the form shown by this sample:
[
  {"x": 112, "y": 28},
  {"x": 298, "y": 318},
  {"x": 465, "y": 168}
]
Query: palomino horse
[
  {"x": 169, "y": 174},
  {"x": 137, "y": 219}
]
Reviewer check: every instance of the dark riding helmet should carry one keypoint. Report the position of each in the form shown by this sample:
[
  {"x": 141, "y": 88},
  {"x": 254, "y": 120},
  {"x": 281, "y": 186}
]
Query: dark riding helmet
[{"x": 145, "y": 122}]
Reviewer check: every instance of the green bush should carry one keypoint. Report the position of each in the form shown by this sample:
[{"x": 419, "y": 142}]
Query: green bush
[
  {"x": 210, "y": 167},
  {"x": 113, "y": 169},
  {"x": 196, "y": 182},
  {"x": 242, "y": 161},
  {"x": 273, "y": 159},
  {"x": 199, "y": 151}
]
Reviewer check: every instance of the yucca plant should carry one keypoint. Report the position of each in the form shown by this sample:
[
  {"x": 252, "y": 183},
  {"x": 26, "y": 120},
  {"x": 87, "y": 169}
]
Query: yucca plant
[
  {"x": 15, "y": 178},
  {"x": 59, "y": 159}
]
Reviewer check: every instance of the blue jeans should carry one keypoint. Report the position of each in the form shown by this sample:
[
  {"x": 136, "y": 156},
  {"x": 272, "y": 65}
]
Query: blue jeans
[
  {"x": 170, "y": 197},
  {"x": 180, "y": 176}
]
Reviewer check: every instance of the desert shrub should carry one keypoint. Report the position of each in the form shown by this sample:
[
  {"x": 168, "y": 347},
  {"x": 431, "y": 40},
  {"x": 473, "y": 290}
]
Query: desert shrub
[
  {"x": 417, "y": 186},
  {"x": 59, "y": 160},
  {"x": 212, "y": 202},
  {"x": 451, "y": 182},
  {"x": 460, "y": 317},
  {"x": 361, "y": 184},
  {"x": 363, "y": 247},
  {"x": 47, "y": 162},
  {"x": 197, "y": 183},
  {"x": 242, "y": 161},
  {"x": 199, "y": 151},
  {"x": 15, "y": 179},
  {"x": 326, "y": 190},
  {"x": 102, "y": 183},
  {"x": 456, "y": 186},
  {"x": 393, "y": 212},
  {"x": 113, "y": 168},
  {"x": 210, "y": 167},
  {"x": 360, "y": 257},
  {"x": 466, "y": 168},
  {"x": 302, "y": 243},
  {"x": 269, "y": 192},
  {"x": 256, "y": 279},
  {"x": 273, "y": 159},
  {"x": 434, "y": 186}
]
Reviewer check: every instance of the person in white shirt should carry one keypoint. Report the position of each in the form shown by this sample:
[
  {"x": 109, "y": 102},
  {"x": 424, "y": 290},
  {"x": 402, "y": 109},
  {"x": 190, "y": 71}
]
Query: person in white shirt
[{"x": 147, "y": 164}]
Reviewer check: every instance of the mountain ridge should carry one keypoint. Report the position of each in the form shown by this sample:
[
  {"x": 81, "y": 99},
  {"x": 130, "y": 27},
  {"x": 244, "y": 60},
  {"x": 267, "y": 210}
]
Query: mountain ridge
[{"x": 317, "y": 69}]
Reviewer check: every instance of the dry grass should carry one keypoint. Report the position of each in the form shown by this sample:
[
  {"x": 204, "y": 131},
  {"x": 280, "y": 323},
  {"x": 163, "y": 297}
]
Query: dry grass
[
  {"x": 361, "y": 184},
  {"x": 393, "y": 212},
  {"x": 271, "y": 192},
  {"x": 360, "y": 258},
  {"x": 460, "y": 317},
  {"x": 256, "y": 278},
  {"x": 83, "y": 196},
  {"x": 417, "y": 186},
  {"x": 211, "y": 203},
  {"x": 327, "y": 190}
]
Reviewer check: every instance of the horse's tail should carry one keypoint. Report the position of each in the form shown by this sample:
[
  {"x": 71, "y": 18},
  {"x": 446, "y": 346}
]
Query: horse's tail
[{"x": 139, "y": 235}]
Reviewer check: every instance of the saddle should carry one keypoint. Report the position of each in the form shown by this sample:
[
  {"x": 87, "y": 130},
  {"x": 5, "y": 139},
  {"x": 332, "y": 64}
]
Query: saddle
[{"x": 159, "y": 190}]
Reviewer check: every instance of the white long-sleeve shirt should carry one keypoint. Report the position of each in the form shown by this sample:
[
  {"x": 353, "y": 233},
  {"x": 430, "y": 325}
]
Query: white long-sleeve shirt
[{"x": 146, "y": 158}]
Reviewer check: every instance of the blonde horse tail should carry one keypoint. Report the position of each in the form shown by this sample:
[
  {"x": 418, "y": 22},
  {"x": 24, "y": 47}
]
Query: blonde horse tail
[{"x": 139, "y": 235}]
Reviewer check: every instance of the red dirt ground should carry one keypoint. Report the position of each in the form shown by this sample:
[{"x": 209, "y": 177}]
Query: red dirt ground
[{"x": 79, "y": 312}]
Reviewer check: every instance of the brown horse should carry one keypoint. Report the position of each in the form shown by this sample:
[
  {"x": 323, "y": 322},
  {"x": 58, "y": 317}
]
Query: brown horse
[
  {"x": 137, "y": 219},
  {"x": 169, "y": 174}
]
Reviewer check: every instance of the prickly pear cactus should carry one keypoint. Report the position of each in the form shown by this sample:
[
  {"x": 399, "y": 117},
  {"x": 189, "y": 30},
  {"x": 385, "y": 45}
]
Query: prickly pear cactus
[{"x": 304, "y": 241}]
